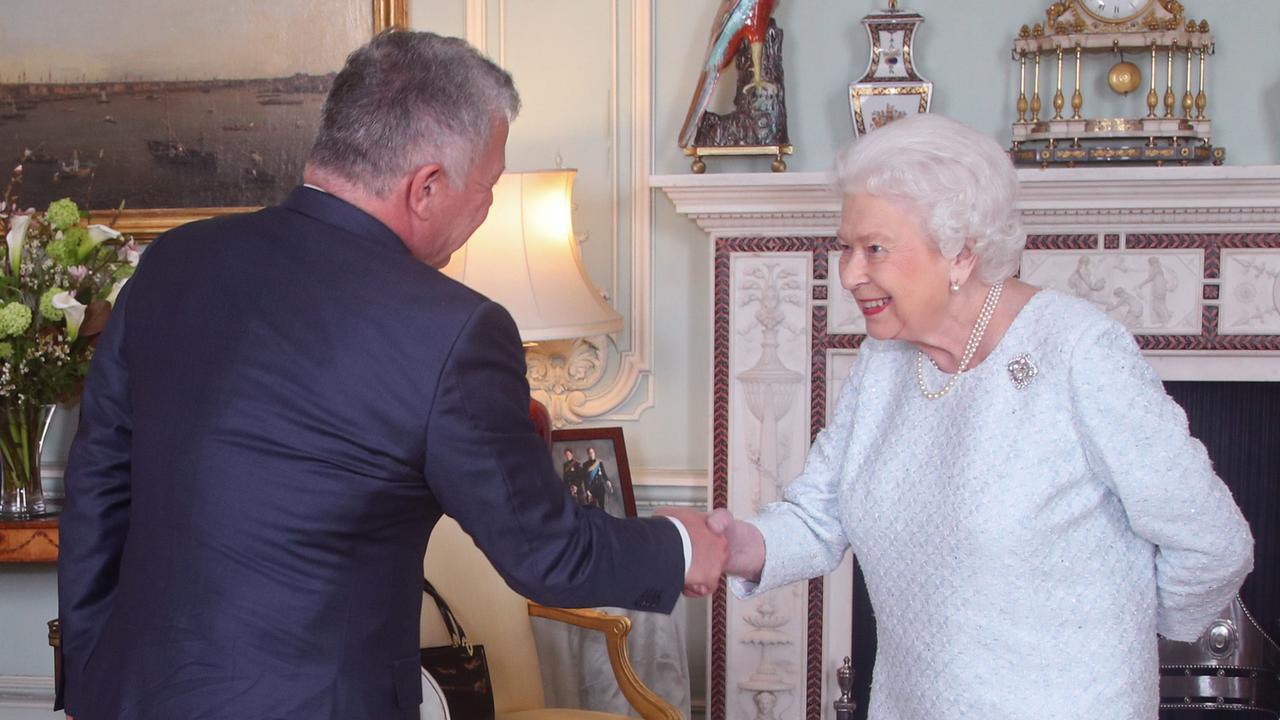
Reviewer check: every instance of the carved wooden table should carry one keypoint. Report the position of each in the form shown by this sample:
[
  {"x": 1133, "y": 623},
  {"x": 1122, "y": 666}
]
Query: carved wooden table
[{"x": 29, "y": 541}]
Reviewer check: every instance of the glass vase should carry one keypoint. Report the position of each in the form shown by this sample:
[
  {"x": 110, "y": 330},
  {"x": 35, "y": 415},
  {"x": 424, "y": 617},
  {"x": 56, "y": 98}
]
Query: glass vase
[{"x": 22, "y": 430}]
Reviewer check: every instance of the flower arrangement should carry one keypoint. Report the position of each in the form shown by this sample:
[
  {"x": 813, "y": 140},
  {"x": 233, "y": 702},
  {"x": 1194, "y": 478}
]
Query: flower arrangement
[{"x": 59, "y": 280}]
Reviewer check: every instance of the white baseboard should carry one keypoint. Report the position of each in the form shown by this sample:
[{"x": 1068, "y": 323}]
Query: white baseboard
[{"x": 25, "y": 691}]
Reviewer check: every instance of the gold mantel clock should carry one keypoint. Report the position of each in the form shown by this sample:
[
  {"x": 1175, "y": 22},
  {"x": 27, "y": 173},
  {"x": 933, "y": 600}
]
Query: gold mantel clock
[{"x": 1173, "y": 130}]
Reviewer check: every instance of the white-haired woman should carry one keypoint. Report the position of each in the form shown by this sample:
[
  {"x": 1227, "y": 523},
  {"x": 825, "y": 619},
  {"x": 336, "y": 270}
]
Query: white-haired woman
[{"x": 1023, "y": 497}]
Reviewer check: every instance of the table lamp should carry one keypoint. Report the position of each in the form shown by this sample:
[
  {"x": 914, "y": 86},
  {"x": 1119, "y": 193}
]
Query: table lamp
[{"x": 525, "y": 257}]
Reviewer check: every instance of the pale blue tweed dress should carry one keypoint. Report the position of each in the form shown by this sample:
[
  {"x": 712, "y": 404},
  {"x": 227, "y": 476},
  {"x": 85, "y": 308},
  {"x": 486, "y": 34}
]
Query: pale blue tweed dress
[{"x": 1022, "y": 547}]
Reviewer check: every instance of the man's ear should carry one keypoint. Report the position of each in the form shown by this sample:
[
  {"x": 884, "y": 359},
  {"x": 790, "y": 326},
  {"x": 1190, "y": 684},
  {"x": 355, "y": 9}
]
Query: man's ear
[{"x": 426, "y": 185}]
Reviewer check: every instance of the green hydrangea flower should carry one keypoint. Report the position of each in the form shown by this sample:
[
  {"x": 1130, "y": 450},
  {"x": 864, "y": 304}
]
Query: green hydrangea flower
[
  {"x": 47, "y": 310},
  {"x": 6, "y": 350},
  {"x": 66, "y": 250},
  {"x": 62, "y": 214},
  {"x": 124, "y": 272},
  {"x": 15, "y": 318},
  {"x": 80, "y": 238}
]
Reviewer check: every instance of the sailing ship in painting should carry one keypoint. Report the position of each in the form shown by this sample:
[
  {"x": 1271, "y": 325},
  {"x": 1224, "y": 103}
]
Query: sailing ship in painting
[
  {"x": 173, "y": 152},
  {"x": 256, "y": 173},
  {"x": 75, "y": 169}
]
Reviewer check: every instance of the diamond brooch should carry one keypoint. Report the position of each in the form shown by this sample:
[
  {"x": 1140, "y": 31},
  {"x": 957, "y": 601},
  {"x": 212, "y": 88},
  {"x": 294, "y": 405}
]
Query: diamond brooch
[{"x": 1022, "y": 371}]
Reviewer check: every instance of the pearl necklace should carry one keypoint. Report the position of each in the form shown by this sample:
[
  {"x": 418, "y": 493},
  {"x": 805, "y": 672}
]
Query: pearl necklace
[{"x": 975, "y": 339}]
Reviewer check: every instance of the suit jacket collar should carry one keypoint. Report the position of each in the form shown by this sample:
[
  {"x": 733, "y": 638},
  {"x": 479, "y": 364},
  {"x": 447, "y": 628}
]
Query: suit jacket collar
[{"x": 333, "y": 210}]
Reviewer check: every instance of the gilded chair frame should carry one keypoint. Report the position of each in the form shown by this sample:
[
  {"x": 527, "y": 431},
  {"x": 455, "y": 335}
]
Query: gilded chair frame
[{"x": 615, "y": 628}]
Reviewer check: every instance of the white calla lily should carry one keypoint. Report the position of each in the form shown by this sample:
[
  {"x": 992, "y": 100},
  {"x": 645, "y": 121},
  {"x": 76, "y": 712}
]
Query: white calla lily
[
  {"x": 101, "y": 233},
  {"x": 16, "y": 238},
  {"x": 74, "y": 309},
  {"x": 115, "y": 291}
]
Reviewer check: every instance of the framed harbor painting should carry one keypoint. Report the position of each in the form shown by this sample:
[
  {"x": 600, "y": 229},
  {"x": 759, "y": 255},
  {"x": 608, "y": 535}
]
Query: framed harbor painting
[{"x": 177, "y": 111}]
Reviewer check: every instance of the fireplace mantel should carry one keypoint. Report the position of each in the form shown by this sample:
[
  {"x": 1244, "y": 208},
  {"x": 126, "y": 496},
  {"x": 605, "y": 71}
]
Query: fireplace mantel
[
  {"x": 1220, "y": 224},
  {"x": 1245, "y": 199}
]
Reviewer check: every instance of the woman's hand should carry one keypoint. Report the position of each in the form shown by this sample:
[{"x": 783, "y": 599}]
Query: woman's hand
[{"x": 746, "y": 544}]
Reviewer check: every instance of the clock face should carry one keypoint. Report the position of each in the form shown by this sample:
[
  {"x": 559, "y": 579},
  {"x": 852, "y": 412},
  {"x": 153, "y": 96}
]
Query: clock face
[{"x": 1115, "y": 11}]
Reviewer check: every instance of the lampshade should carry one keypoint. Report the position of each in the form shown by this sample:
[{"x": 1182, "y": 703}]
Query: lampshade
[{"x": 525, "y": 258}]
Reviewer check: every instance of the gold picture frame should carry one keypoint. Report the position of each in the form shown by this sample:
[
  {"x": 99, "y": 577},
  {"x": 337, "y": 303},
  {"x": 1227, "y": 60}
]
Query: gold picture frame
[{"x": 146, "y": 224}]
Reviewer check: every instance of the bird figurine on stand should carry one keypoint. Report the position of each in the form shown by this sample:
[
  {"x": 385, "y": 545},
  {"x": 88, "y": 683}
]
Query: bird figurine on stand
[{"x": 744, "y": 34}]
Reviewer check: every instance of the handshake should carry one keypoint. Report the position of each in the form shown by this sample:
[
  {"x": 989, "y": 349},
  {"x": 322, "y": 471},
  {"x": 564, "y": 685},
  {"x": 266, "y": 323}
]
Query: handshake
[{"x": 722, "y": 545}]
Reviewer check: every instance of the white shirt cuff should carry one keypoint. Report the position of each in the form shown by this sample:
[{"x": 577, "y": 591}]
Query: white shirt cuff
[{"x": 685, "y": 543}]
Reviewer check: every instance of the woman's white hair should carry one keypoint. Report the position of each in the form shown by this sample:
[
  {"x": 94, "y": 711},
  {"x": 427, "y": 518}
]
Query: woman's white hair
[{"x": 959, "y": 182}]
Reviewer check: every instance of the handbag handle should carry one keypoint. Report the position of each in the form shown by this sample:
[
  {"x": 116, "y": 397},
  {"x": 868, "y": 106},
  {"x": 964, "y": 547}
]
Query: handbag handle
[{"x": 457, "y": 635}]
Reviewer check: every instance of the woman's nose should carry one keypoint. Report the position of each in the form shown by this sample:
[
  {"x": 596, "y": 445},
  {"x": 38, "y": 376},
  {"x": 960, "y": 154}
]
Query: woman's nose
[{"x": 853, "y": 269}]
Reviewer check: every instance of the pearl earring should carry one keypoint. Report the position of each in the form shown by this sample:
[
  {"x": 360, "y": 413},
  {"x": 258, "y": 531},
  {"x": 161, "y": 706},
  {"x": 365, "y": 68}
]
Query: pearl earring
[{"x": 955, "y": 286}]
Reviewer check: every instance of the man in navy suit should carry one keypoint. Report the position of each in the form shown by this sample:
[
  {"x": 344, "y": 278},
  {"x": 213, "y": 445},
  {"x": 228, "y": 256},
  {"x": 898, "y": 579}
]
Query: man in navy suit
[{"x": 285, "y": 403}]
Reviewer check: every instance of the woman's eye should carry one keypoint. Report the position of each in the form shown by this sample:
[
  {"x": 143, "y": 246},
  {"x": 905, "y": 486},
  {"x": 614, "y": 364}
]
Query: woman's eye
[{"x": 875, "y": 249}]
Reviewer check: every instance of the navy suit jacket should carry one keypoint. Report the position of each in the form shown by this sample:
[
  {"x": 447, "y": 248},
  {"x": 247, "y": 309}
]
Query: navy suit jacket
[{"x": 280, "y": 409}]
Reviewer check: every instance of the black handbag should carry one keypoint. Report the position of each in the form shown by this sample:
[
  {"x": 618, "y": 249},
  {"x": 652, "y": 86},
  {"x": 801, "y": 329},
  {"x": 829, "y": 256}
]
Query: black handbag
[{"x": 460, "y": 668}]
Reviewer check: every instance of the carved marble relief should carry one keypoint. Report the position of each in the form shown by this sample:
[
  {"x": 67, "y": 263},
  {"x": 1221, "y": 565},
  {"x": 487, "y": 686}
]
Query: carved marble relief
[
  {"x": 769, "y": 386},
  {"x": 1250, "y": 293},
  {"x": 1152, "y": 293}
]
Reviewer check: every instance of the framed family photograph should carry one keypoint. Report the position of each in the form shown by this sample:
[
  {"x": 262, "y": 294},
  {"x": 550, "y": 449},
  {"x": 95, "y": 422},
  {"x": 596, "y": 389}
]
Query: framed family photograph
[
  {"x": 592, "y": 463},
  {"x": 177, "y": 111}
]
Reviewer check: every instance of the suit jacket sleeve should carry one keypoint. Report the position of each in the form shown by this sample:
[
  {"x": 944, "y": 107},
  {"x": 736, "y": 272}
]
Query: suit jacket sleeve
[
  {"x": 95, "y": 518},
  {"x": 494, "y": 475}
]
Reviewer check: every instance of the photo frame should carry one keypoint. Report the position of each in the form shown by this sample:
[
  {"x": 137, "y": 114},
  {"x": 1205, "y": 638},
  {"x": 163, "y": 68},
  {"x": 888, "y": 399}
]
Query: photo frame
[
  {"x": 601, "y": 476},
  {"x": 182, "y": 116}
]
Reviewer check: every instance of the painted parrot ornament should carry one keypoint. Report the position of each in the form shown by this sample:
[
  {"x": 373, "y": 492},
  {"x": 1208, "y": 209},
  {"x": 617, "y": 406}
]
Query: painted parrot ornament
[{"x": 737, "y": 21}]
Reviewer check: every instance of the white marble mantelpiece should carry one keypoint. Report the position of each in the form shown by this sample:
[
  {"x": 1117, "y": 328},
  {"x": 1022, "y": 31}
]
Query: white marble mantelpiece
[{"x": 1244, "y": 198}]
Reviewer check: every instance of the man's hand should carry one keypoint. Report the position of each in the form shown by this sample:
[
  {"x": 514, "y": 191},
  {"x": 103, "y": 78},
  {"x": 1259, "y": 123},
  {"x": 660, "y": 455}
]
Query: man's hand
[
  {"x": 710, "y": 551},
  {"x": 746, "y": 544}
]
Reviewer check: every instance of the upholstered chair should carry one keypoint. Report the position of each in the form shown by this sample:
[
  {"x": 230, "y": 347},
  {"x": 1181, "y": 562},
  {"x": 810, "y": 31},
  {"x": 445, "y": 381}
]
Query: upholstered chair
[{"x": 494, "y": 616}]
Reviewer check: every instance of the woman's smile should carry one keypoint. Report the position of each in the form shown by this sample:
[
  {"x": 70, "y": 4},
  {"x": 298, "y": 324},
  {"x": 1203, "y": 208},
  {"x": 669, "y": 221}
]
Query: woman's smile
[{"x": 873, "y": 306}]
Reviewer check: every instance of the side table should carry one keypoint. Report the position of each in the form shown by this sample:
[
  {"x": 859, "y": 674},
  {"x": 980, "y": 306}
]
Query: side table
[{"x": 29, "y": 541}]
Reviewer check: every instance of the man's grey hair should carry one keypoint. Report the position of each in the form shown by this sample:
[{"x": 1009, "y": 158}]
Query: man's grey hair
[
  {"x": 959, "y": 183},
  {"x": 408, "y": 99}
]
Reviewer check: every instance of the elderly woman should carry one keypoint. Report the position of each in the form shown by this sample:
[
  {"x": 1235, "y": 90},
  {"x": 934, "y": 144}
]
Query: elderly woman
[{"x": 1023, "y": 497}]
